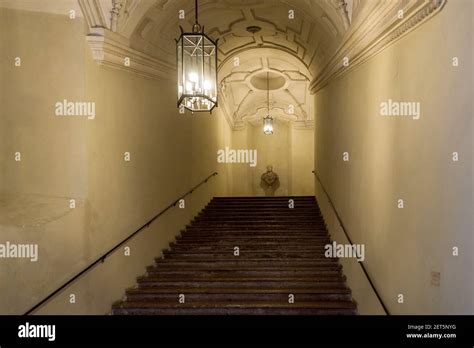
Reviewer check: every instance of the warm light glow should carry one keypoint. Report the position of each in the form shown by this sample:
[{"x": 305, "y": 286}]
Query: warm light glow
[
  {"x": 193, "y": 77},
  {"x": 189, "y": 87},
  {"x": 207, "y": 85}
]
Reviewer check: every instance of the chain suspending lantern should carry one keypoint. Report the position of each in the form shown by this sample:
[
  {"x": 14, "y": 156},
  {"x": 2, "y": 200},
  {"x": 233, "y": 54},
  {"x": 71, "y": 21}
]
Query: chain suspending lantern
[
  {"x": 196, "y": 56},
  {"x": 268, "y": 120}
]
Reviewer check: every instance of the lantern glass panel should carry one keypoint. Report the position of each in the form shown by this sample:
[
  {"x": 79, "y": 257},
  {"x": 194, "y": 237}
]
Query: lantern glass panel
[
  {"x": 197, "y": 72},
  {"x": 209, "y": 79},
  {"x": 179, "y": 57}
]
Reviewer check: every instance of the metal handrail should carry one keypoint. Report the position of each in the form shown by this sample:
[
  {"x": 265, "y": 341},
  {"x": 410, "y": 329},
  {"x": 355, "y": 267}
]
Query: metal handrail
[
  {"x": 102, "y": 258},
  {"x": 350, "y": 241}
]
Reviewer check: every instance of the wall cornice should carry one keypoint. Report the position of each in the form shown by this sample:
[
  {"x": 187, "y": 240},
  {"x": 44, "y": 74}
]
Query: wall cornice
[
  {"x": 376, "y": 31},
  {"x": 111, "y": 50},
  {"x": 110, "y": 47}
]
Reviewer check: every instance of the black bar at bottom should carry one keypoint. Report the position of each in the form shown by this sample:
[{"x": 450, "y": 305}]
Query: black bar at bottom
[{"x": 429, "y": 331}]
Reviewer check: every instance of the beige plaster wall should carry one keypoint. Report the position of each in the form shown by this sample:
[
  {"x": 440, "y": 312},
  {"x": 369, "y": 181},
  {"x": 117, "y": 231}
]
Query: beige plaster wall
[
  {"x": 35, "y": 192},
  {"x": 301, "y": 162},
  {"x": 68, "y": 157},
  {"x": 53, "y": 153},
  {"x": 242, "y": 172},
  {"x": 398, "y": 158}
]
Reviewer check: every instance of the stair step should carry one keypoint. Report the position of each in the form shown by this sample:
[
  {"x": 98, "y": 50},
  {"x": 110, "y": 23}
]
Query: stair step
[
  {"x": 258, "y": 239},
  {"x": 238, "y": 284},
  {"x": 286, "y": 213},
  {"x": 248, "y": 263},
  {"x": 235, "y": 297},
  {"x": 258, "y": 223},
  {"x": 226, "y": 304},
  {"x": 225, "y": 294},
  {"x": 289, "y": 216},
  {"x": 262, "y": 230},
  {"x": 245, "y": 254},
  {"x": 264, "y": 291},
  {"x": 216, "y": 248},
  {"x": 226, "y": 308},
  {"x": 250, "y": 244},
  {"x": 317, "y": 233},
  {"x": 210, "y": 266},
  {"x": 152, "y": 276},
  {"x": 237, "y": 260},
  {"x": 238, "y": 272},
  {"x": 263, "y": 198},
  {"x": 282, "y": 239}
]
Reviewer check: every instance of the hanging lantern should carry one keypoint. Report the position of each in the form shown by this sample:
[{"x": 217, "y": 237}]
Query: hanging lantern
[
  {"x": 268, "y": 125},
  {"x": 196, "y": 56},
  {"x": 268, "y": 120}
]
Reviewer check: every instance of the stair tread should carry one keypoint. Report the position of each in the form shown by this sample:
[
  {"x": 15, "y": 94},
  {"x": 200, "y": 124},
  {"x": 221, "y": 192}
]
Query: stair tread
[
  {"x": 241, "y": 291},
  {"x": 214, "y": 304}
]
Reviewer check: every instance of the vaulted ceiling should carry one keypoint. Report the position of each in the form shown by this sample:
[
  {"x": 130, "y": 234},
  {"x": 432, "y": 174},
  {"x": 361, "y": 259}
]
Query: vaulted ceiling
[
  {"x": 306, "y": 29},
  {"x": 293, "y": 41},
  {"x": 301, "y": 44}
]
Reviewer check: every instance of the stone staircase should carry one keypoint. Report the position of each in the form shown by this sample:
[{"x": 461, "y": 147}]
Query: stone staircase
[{"x": 242, "y": 256}]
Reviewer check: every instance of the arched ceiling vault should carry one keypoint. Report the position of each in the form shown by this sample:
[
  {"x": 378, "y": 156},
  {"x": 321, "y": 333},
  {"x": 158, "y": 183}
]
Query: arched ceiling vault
[
  {"x": 294, "y": 39},
  {"x": 303, "y": 42},
  {"x": 306, "y": 29}
]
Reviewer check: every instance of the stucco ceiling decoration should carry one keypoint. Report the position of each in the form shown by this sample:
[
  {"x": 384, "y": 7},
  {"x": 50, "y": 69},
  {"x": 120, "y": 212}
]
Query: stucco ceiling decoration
[
  {"x": 244, "y": 88},
  {"x": 292, "y": 40},
  {"x": 307, "y": 50}
]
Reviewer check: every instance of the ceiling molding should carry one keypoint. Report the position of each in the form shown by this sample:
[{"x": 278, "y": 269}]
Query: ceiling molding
[
  {"x": 375, "y": 32},
  {"x": 111, "y": 50},
  {"x": 96, "y": 13},
  {"x": 105, "y": 19}
]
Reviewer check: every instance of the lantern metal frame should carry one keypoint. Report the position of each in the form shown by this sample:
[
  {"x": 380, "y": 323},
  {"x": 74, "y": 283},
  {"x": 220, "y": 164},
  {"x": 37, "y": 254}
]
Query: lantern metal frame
[
  {"x": 268, "y": 125},
  {"x": 201, "y": 45}
]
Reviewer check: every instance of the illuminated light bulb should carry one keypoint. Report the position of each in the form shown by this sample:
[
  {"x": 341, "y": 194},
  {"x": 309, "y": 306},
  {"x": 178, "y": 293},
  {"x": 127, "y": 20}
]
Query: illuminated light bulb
[
  {"x": 268, "y": 129},
  {"x": 193, "y": 77}
]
